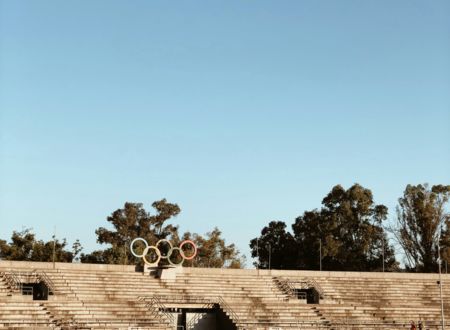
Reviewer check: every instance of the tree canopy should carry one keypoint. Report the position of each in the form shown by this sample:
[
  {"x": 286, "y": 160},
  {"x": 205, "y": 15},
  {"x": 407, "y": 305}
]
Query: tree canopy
[
  {"x": 213, "y": 252},
  {"x": 421, "y": 218},
  {"x": 347, "y": 230},
  {"x": 130, "y": 222},
  {"x": 275, "y": 248},
  {"x": 25, "y": 247},
  {"x": 134, "y": 221}
]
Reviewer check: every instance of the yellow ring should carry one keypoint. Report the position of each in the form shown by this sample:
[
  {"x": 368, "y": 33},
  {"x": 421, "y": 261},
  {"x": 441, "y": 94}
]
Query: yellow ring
[{"x": 144, "y": 254}]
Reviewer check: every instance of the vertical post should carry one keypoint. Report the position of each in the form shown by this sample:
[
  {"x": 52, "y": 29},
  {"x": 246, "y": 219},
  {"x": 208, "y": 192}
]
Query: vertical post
[
  {"x": 440, "y": 287},
  {"x": 54, "y": 246},
  {"x": 383, "y": 254},
  {"x": 320, "y": 254}
]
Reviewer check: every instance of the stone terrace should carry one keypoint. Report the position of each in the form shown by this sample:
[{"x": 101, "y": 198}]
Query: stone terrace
[{"x": 118, "y": 297}]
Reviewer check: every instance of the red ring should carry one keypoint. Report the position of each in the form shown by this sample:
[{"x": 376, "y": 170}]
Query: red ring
[{"x": 182, "y": 252}]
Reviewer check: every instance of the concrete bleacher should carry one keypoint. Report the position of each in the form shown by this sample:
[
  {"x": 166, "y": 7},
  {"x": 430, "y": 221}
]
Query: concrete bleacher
[
  {"x": 118, "y": 297},
  {"x": 392, "y": 300}
]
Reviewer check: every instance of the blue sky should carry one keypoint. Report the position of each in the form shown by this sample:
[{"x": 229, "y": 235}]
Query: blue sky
[{"x": 241, "y": 112}]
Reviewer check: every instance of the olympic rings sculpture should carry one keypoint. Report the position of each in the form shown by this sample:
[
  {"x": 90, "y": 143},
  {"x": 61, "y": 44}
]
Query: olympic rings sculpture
[{"x": 158, "y": 253}]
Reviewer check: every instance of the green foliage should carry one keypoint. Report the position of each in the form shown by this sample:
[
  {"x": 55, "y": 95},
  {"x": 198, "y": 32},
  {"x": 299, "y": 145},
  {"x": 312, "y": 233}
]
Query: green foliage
[
  {"x": 106, "y": 256},
  {"x": 128, "y": 223},
  {"x": 348, "y": 226},
  {"x": 275, "y": 245},
  {"x": 25, "y": 247},
  {"x": 134, "y": 221},
  {"x": 420, "y": 216},
  {"x": 213, "y": 251}
]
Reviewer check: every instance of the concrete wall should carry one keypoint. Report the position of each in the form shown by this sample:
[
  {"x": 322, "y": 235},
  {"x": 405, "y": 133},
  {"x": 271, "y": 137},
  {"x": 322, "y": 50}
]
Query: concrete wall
[
  {"x": 172, "y": 272},
  {"x": 64, "y": 265},
  {"x": 310, "y": 273}
]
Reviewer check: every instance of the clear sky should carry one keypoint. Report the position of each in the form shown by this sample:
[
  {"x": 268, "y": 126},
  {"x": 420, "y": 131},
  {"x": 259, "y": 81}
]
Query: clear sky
[{"x": 241, "y": 112}]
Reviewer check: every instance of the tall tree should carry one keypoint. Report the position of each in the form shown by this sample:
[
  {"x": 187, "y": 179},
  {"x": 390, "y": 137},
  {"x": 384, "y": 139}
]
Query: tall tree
[
  {"x": 445, "y": 244},
  {"x": 345, "y": 234},
  {"x": 421, "y": 216},
  {"x": 275, "y": 247},
  {"x": 134, "y": 221},
  {"x": 213, "y": 252},
  {"x": 349, "y": 229},
  {"x": 130, "y": 222},
  {"x": 315, "y": 238},
  {"x": 25, "y": 247}
]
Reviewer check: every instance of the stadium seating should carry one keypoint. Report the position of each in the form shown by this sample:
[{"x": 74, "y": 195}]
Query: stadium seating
[{"x": 119, "y": 297}]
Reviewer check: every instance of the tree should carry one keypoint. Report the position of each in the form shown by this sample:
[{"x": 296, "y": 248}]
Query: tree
[
  {"x": 134, "y": 221},
  {"x": 312, "y": 233},
  {"x": 213, "y": 252},
  {"x": 130, "y": 222},
  {"x": 25, "y": 247},
  {"x": 445, "y": 243},
  {"x": 421, "y": 216},
  {"x": 276, "y": 248},
  {"x": 347, "y": 231}
]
